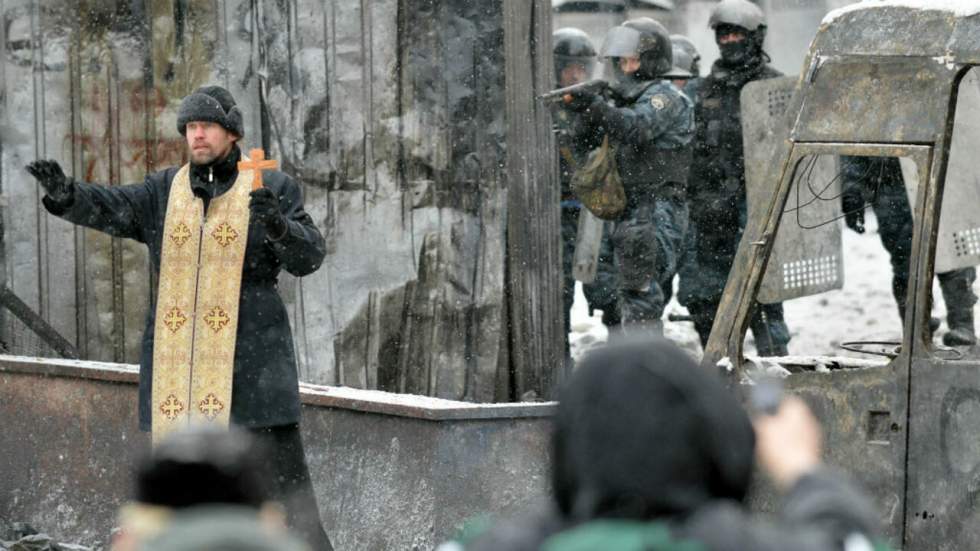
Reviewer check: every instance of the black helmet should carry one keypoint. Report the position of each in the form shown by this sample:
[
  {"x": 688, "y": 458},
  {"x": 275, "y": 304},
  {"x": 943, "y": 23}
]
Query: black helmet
[
  {"x": 739, "y": 15},
  {"x": 643, "y": 38},
  {"x": 572, "y": 46},
  {"x": 686, "y": 55}
]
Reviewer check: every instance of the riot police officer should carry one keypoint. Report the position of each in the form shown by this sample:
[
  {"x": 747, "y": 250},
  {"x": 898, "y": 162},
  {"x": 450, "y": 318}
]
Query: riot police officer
[
  {"x": 717, "y": 182},
  {"x": 650, "y": 125},
  {"x": 878, "y": 182},
  {"x": 575, "y": 61},
  {"x": 688, "y": 59}
]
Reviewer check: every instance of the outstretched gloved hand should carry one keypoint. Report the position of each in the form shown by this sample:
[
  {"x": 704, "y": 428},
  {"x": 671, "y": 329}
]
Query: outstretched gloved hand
[
  {"x": 264, "y": 209},
  {"x": 49, "y": 174}
]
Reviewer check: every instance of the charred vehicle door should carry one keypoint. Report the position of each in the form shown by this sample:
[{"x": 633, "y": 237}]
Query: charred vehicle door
[{"x": 888, "y": 99}]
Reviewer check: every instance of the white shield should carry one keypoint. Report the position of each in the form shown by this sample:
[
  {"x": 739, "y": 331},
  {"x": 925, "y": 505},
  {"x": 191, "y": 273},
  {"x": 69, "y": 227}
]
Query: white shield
[
  {"x": 958, "y": 243},
  {"x": 587, "y": 244},
  {"x": 807, "y": 254}
]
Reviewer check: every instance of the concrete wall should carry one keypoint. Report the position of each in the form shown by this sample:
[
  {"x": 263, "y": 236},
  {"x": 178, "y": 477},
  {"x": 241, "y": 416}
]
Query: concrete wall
[{"x": 390, "y": 471}]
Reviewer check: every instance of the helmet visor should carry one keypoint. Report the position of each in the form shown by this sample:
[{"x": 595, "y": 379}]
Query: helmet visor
[
  {"x": 587, "y": 63},
  {"x": 621, "y": 42}
]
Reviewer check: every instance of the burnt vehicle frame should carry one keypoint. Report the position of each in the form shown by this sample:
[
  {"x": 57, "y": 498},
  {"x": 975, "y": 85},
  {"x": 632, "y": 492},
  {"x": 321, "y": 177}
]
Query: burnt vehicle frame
[{"x": 906, "y": 429}]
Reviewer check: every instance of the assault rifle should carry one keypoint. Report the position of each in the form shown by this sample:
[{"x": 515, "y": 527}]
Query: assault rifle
[{"x": 564, "y": 95}]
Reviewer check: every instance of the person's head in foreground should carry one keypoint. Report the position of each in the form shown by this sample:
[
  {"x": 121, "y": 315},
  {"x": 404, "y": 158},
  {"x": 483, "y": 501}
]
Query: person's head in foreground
[
  {"x": 653, "y": 452},
  {"x": 202, "y": 488}
]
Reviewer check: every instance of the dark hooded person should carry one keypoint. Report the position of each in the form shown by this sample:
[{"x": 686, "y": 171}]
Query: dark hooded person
[
  {"x": 651, "y": 452},
  {"x": 217, "y": 348}
]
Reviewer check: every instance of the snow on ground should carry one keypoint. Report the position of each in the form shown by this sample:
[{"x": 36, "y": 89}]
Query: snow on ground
[{"x": 863, "y": 310}]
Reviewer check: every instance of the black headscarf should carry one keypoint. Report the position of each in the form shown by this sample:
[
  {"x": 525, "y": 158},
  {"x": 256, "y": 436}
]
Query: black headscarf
[{"x": 642, "y": 432}]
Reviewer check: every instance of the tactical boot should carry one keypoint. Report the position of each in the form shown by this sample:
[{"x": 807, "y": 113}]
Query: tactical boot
[
  {"x": 961, "y": 332},
  {"x": 957, "y": 288},
  {"x": 960, "y": 336},
  {"x": 770, "y": 331}
]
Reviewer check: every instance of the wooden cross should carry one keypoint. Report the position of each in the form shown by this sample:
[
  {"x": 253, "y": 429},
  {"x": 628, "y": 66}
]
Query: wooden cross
[{"x": 258, "y": 163}]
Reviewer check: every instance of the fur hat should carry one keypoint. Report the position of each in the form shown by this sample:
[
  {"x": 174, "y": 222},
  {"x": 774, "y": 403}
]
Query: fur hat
[{"x": 211, "y": 104}]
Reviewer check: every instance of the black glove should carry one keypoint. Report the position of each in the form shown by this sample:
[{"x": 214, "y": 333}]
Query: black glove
[
  {"x": 264, "y": 209},
  {"x": 580, "y": 100},
  {"x": 49, "y": 174},
  {"x": 853, "y": 205}
]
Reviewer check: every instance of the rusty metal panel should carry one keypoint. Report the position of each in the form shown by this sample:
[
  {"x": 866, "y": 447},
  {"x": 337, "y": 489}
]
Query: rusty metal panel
[
  {"x": 879, "y": 100},
  {"x": 807, "y": 257},
  {"x": 862, "y": 411},
  {"x": 943, "y": 456},
  {"x": 887, "y": 31}
]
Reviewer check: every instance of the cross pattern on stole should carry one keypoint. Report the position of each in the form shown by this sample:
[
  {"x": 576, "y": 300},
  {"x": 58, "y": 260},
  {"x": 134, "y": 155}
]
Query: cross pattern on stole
[
  {"x": 217, "y": 319},
  {"x": 224, "y": 234},
  {"x": 180, "y": 234},
  {"x": 171, "y": 407},
  {"x": 210, "y": 406},
  {"x": 174, "y": 319}
]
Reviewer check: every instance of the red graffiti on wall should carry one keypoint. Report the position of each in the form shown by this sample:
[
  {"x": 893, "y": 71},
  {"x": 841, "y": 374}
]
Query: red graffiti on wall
[{"x": 121, "y": 129}]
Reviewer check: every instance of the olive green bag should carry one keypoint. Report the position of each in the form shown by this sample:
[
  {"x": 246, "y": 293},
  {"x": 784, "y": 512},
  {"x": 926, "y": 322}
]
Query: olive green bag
[{"x": 597, "y": 183}]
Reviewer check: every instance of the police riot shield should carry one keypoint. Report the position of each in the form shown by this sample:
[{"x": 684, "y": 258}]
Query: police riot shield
[
  {"x": 587, "y": 244},
  {"x": 958, "y": 242},
  {"x": 807, "y": 254}
]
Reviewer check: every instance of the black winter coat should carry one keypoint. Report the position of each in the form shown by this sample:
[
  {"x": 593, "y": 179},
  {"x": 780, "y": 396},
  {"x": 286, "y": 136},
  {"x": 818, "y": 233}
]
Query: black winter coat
[{"x": 265, "y": 389}]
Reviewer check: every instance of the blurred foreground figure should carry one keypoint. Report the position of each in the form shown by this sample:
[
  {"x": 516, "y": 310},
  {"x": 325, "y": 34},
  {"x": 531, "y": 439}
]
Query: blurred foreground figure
[
  {"x": 651, "y": 452},
  {"x": 204, "y": 488}
]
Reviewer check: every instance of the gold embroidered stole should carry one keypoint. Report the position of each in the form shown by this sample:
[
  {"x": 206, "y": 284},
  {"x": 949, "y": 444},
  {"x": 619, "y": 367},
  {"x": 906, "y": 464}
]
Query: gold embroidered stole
[{"x": 197, "y": 305}]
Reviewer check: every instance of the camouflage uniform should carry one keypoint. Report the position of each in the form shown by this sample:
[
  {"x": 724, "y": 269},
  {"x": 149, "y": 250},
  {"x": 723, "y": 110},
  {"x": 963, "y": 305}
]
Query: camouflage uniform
[
  {"x": 650, "y": 127},
  {"x": 600, "y": 294}
]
